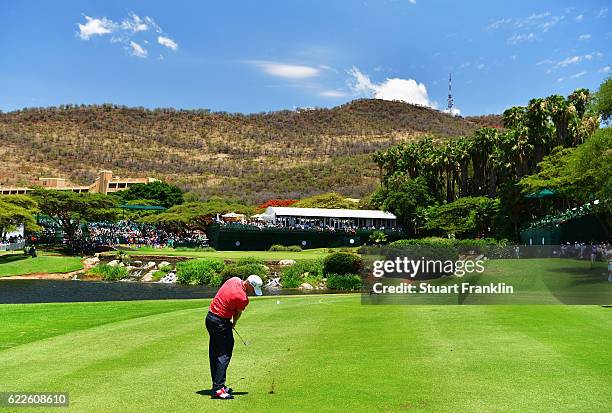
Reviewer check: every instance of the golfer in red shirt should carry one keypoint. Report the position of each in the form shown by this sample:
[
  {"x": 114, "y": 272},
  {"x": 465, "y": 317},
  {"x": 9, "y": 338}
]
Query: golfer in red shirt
[{"x": 223, "y": 314}]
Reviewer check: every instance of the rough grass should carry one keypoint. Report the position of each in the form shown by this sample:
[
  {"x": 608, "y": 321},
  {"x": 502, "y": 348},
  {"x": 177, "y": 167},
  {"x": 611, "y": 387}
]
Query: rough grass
[
  {"x": 232, "y": 255},
  {"x": 19, "y": 264},
  {"x": 313, "y": 353}
]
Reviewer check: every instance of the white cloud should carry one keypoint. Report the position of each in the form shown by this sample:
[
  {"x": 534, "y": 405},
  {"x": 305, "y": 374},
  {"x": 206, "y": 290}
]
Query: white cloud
[
  {"x": 480, "y": 66},
  {"x": 168, "y": 42},
  {"x": 453, "y": 111},
  {"x": 545, "y": 62},
  {"x": 498, "y": 23},
  {"x": 286, "y": 70},
  {"x": 577, "y": 75},
  {"x": 412, "y": 1},
  {"x": 572, "y": 60},
  {"x": 584, "y": 37},
  {"x": 579, "y": 18},
  {"x": 521, "y": 38},
  {"x": 333, "y": 93},
  {"x": 406, "y": 90},
  {"x": 97, "y": 27},
  {"x": 137, "y": 50},
  {"x": 560, "y": 80},
  {"x": 606, "y": 69},
  {"x": 125, "y": 31},
  {"x": 602, "y": 13}
]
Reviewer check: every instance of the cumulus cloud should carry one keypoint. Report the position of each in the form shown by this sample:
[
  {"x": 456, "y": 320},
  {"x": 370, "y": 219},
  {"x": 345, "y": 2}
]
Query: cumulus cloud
[
  {"x": 606, "y": 69},
  {"x": 137, "y": 50},
  {"x": 286, "y": 70},
  {"x": 95, "y": 27},
  {"x": 168, "y": 42},
  {"x": 126, "y": 32},
  {"x": 579, "y": 18},
  {"x": 406, "y": 90},
  {"x": 584, "y": 37}
]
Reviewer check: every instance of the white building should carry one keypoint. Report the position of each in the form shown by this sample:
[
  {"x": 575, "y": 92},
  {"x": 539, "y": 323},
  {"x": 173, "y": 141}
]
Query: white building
[{"x": 336, "y": 218}]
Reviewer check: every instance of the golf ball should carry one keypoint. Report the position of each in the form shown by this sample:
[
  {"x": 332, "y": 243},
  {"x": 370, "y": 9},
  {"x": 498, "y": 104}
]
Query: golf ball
[{"x": 277, "y": 301}]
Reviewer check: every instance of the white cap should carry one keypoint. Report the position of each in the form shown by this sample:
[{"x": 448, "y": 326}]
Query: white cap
[{"x": 256, "y": 282}]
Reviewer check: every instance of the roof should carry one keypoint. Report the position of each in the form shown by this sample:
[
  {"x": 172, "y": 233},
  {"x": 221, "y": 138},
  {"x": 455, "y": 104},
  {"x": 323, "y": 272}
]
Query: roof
[{"x": 329, "y": 213}]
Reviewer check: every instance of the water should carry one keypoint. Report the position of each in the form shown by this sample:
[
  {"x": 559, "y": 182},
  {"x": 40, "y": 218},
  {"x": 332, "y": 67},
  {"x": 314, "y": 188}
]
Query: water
[{"x": 60, "y": 291}]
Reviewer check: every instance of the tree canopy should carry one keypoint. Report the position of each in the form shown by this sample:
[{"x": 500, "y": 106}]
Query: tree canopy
[
  {"x": 16, "y": 210},
  {"x": 330, "y": 200},
  {"x": 163, "y": 193}
]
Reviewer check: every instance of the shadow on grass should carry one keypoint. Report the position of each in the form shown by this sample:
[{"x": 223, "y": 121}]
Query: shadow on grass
[
  {"x": 12, "y": 258},
  {"x": 209, "y": 393}
]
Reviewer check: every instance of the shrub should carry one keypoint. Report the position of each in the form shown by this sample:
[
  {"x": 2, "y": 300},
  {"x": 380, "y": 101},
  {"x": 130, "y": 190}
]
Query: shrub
[
  {"x": 342, "y": 263},
  {"x": 199, "y": 249},
  {"x": 302, "y": 271},
  {"x": 108, "y": 272},
  {"x": 346, "y": 282},
  {"x": 199, "y": 272},
  {"x": 291, "y": 248},
  {"x": 250, "y": 260},
  {"x": 243, "y": 271}
]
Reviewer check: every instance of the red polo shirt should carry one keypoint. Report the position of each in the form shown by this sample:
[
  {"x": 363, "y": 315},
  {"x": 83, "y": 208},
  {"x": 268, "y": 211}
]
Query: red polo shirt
[{"x": 230, "y": 298}]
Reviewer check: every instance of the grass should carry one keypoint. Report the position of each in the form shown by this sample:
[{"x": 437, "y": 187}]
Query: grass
[
  {"x": 313, "y": 353},
  {"x": 19, "y": 264},
  {"x": 229, "y": 255}
]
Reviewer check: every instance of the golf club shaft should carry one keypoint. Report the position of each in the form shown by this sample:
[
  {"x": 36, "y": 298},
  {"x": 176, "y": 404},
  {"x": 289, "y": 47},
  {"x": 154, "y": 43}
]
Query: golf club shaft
[{"x": 243, "y": 342}]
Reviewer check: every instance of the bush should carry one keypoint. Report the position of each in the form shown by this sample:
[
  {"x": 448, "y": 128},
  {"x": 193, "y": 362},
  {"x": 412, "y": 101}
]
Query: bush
[
  {"x": 243, "y": 271},
  {"x": 342, "y": 263},
  {"x": 203, "y": 271},
  {"x": 346, "y": 282},
  {"x": 310, "y": 271},
  {"x": 291, "y": 248},
  {"x": 199, "y": 249},
  {"x": 108, "y": 272},
  {"x": 250, "y": 260}
]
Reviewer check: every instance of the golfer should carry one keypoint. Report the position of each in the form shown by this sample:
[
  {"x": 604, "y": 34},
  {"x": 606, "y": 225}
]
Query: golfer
[{"x": 223, "y": 314}]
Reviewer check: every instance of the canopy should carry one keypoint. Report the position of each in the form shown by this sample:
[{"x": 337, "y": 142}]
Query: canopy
[{"x": 143, "y": 207}]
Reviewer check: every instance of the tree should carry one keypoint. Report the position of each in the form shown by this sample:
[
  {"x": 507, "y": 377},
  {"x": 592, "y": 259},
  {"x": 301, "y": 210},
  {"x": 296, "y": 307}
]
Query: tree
[
  {"x": 330, "y": 200},
  {"x": 194, "y": 215},
  {"x": 16, "y": 210},
  {"x": 602, "y": 101},
  {"x": 405, "y": 197},
  {"x": 469, "y": 216},
  {"x": 165, "y": 194},
  {"x": 71, "y": 210}
]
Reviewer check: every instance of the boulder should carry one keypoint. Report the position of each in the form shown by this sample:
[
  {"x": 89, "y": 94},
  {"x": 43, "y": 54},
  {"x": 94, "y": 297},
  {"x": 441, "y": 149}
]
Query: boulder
[
  {"x": 163, "y": 264},
  {"x": 306, "y": 286},
  {"x": 137, "y": 263},
  {"x": 90, "y": 262},
  {"x": 148, "y": 277},
  {"x": 285, "y": 263},
  {"x": 114, "y": 263},
  {"x": 150, "y": 265}
]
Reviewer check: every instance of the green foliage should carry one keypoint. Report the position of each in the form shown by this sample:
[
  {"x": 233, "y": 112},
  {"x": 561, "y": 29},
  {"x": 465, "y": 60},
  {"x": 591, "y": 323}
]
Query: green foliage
[
  {"x": 165, "y": 194},
  {"x": 203, "y": 271},
  {"x": 602, "y": 101},
  {"x": 195, "y": 215},
  {"x": 108, "y": 272},
  {"x": 16, "y": 210},
  {"x": 244, "y": 270},
  {"x": 310, "y": 271},
  {"x": 330, "y": 200},
  {"x": 447, "y": 242},
  {"x": 291, "y": 248},
  {"x": 378, "y": 237},
  {"x": 250, "y": 260},
  {"x": 342, "y": 263},
  {"x": 71, "y": 210},
  {"x": 465, "y": 216},
  {"x": 344, "y": 282}
]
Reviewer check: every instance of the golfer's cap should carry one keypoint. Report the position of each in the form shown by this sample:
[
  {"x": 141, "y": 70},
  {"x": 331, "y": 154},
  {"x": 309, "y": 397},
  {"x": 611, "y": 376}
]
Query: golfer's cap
[{"x": 256, "y": 282}]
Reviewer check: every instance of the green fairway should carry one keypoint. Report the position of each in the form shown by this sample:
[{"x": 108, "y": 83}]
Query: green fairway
[
  {"x": 313, "y": 353},
  {"x": 19, "y": 264},
  {"x": 265, "y": 255}
]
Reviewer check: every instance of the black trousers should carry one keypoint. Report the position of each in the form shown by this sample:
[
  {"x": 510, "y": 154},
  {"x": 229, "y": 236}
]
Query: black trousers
[{"x": 220, "y": 348}]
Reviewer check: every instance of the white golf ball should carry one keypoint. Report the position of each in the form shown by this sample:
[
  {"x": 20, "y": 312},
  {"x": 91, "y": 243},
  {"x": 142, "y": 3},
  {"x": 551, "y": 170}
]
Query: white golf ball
[{"x": 277, "y": 301}]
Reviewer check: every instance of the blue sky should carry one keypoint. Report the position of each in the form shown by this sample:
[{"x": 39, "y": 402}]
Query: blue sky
[{"x": 247, "y": 56}]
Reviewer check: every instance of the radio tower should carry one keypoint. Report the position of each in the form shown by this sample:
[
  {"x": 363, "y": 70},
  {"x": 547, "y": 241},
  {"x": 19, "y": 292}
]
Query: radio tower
[{"x": 450, "y": 95}]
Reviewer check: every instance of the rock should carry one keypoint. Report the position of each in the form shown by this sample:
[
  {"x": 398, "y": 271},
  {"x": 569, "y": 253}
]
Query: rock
[
  {"x": 121, "y": 264},
  {"x": 285, "y": 263},
  {"x": 163, "y": 264},
  {"x": 137, "y": 263},
  {"x": 90, "y": 262},
  {"x": 170, "y": 278},
  {"x": 273, "y": 283},
  {"x": 114, "y": 263},
  {"x": 150, "y": 265},
  {"x": 148, "y": 277},
  {"x": 306, "y": 286}
]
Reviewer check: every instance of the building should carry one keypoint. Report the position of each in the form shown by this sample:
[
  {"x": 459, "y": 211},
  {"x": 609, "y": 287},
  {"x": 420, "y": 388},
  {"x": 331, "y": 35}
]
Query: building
[
  {"x": 335, "y": 218},
  {"x": 105, "y": 183}
]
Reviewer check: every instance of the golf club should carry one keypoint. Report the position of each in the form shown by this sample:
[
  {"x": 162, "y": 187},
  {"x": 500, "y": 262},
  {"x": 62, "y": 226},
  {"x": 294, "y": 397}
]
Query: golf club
[{"x": 243, "y": 342}]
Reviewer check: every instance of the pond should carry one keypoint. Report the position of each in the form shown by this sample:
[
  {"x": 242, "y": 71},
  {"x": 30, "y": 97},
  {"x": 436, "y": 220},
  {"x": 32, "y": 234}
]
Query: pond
[{"x": 51, "y": 291}]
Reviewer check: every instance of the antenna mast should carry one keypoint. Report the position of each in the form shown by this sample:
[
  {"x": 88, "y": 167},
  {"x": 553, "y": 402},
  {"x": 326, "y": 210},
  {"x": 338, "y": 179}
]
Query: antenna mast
[{"x": 450, "y": 95}]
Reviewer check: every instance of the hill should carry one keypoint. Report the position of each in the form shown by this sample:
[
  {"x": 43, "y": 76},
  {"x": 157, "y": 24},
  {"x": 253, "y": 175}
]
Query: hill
[{"x": 253, "y": 157}]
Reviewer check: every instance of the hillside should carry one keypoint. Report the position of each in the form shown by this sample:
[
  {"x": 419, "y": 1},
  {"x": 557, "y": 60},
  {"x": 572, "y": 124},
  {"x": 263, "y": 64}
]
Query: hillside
[{"x": 253, "y": 157}]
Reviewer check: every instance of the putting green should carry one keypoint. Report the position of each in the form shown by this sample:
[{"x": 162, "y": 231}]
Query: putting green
[{"x": 313, "y": 353}]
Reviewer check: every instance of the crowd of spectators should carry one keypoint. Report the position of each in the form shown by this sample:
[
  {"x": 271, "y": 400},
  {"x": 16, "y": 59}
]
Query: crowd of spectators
[
  {"x": 139, "y": 235},
  {"x": 14, "y": 242},
  {"x": 309, "y": 226},
  {"x": 591, "y": 251}
]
